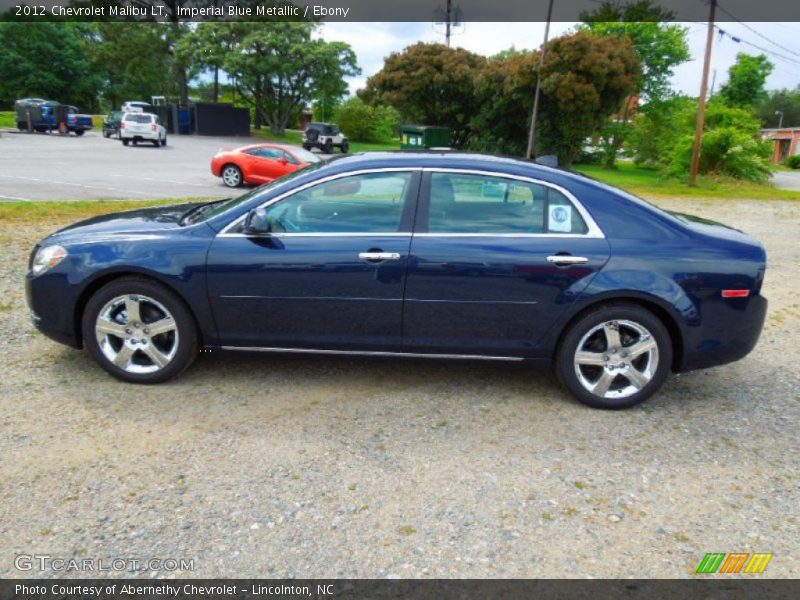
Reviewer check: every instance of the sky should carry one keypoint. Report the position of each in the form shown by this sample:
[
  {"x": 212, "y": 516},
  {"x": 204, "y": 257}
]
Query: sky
[{"x": 374, "y": 41}]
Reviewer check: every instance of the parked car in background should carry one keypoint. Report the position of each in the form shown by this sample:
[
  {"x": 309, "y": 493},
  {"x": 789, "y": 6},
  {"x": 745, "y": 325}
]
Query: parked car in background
[
  {"x": 48, "y": 115},
  {"x": 410, "y": 254},
  {"x": 111, "y": 124},
  {"x": 326, "y": 137},
  {"x": 259, "y": 163},
  {"x": 135, "y": 106},
  {"x": 142, "y": 127}
]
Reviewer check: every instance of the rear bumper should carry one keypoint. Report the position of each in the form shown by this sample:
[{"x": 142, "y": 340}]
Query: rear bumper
[{"x": 728, "y": 332}]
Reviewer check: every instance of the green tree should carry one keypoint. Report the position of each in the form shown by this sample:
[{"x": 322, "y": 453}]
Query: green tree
[
  {"x": 430, "y": 84},
  {"x": 585, "y": 78},
  {"x": 367, "y": 123},
  {"x": 46, "y": 60},
  {"x": 133, "y": 62},
  {"x": 746, "y": 81},
  {"x": 659, "y": 45},
  {"x": 656, "y": 128},
  {"x": 277, "y": 67},
  {"x": 732, "y": 144},
  {"x": 338, "y": 62},
  {"x": 783, "y": 101}
]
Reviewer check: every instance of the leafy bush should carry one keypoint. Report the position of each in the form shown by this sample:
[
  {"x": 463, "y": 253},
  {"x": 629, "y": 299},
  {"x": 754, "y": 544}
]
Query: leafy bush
[
  {"x": 793, "y": 162},
  {"x": 362, "y": 122},
  {"x": 731, "y": 145}
]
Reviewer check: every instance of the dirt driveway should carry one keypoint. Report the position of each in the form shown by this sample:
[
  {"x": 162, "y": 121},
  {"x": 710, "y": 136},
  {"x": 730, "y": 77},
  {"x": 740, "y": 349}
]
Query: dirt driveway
[{"x": 295, "y": 466}]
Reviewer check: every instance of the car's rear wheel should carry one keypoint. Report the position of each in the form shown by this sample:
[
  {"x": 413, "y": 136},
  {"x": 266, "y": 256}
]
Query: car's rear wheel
[
  {"x": 232, "y": 176},
  {"x": 125, "y": 142},
  {"x": 156, "y": 143},
  {"x": 80, "y": 132},
  {"x": 329, "y": 147},
  {"x": 615, "y": 356},
  {"x": 139, "y": 331},
  {"x": 164, "y": 141},
  {"x": 106, "y": 134}
]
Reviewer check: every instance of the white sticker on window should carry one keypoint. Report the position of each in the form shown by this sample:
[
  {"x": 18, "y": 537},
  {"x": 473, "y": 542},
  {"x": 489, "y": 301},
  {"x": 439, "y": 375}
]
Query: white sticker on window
[{"x": 560, "y": 218}]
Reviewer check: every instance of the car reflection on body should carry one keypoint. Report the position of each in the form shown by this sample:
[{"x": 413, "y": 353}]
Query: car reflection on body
[{"x": 410, "y": 254}]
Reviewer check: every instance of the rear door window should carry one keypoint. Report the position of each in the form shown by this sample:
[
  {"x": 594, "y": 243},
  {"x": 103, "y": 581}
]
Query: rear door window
[{"x": 486, "y": 205}]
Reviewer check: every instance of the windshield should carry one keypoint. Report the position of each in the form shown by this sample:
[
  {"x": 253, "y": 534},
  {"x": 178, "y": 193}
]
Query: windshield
[
  {"x": 220, "y": 206},
  {"x": 138, "y": 118},
  {"x": 305, "y": 155}
]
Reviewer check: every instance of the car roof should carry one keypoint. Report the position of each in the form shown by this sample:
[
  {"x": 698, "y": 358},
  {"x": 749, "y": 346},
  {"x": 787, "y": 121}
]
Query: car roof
[
  {"x": 456, "y": 160},
  {"x": 264, "y": 145}
]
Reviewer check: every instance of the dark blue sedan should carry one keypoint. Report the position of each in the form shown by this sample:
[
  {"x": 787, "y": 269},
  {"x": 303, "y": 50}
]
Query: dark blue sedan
[{"x": 409, "y": 254}]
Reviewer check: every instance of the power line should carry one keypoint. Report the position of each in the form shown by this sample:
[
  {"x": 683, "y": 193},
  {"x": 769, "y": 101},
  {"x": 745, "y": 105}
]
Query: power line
[
  {"x": 739, "y": 40},
  {"x": 761, "y": 35}
]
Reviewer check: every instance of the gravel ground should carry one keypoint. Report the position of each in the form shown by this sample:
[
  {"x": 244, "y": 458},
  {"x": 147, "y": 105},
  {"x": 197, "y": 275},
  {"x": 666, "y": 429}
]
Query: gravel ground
[{"x": 295, "y": 466}]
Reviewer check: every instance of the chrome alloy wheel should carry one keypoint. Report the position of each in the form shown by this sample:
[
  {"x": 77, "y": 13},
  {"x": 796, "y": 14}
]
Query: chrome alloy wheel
[
  {"x": 616, "y": 359},
  {"x": 137, "y": 334},
  {"x": 232, "y": 176}
]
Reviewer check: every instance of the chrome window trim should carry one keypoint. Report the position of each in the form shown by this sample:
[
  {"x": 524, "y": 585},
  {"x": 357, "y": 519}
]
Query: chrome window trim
[
  {"x": 278, "y": 198},
  {"x": 593, "y": 229}
]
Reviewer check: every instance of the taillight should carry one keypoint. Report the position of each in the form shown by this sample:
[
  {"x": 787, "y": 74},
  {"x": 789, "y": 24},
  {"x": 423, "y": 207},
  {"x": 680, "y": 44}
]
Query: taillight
[
  {"x": 735, "y": 293},
  {"x": 122, "y": 125},
  {"x": 153, "y": 127}
]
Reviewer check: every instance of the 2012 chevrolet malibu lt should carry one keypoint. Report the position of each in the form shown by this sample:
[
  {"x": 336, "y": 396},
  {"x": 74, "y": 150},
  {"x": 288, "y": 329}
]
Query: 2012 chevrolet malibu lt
[{"x": 415, "y": 254}]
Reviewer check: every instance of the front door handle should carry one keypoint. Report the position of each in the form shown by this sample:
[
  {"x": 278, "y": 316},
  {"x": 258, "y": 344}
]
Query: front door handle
[
  {"x": 566, "y": 259},
  {"x": 376, "y": 256}
]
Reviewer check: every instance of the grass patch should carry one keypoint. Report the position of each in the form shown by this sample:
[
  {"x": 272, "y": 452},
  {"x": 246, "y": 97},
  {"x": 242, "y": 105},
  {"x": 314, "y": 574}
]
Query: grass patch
[
  {"x": 8, "y": 118},
  {"x": 650, "y": 182},
  {"x": 295, "y": 138},
  {"x": 18, "y": 212}
]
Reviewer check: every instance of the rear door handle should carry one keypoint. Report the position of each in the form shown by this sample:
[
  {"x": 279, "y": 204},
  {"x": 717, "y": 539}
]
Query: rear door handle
[
  {"x": 564, "y": 259},
  {"x": 375, "y": 256}
]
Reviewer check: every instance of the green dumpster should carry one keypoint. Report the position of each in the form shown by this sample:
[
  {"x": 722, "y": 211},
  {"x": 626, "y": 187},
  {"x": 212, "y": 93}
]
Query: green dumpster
[{"x": 417, "y": 137}]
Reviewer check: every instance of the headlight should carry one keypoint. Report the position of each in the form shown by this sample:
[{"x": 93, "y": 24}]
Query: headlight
[{"x": 47, "y": 258}]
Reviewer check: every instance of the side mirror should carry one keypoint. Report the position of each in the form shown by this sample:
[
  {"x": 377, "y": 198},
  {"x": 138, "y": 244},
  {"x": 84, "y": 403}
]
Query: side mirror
[
  {"x": 282, "y": 160},
  {"x": 257, "y": 222}
]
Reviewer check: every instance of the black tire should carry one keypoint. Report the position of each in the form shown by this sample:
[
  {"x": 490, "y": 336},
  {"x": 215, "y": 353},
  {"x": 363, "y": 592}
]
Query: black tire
[
  {"x": 232, "y": 176},
  {"x": 80, "y": 132},
  {"x": 312, "y": 135},
  {"x": 633, "y": 325},
  {"x": 164, "y": 142},
  {"x": 125, "y": 142},
  {"x": 156, "y": 143},
  {"x": 307, "y": 147},
  {"x": 329, "y": 147},
  {"x": 106, "y": 134},
  {"x": 185, "y": 337},
  {"x": 345, "y": 147}
]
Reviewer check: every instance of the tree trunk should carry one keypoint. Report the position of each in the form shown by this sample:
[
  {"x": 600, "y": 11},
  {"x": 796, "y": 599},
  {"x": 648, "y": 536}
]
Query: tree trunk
[{"x": 216, "y": 85}]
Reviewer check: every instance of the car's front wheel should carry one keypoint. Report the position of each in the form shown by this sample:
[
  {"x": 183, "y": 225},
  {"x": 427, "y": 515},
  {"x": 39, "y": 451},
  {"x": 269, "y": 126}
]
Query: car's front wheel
[
  {"x": 345, "y": 147},
  {"x": 139, "y": 331},
  {"x": 329, "y": 147},
  {"x": 232, "y": 176},
  {"x": 125, "y": 142},
  {"x": 615, "y": 356}
]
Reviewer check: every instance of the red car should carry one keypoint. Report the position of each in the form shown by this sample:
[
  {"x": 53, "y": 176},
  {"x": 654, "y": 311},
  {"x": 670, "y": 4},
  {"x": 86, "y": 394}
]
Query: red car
[{"x": 259, "y": 163}]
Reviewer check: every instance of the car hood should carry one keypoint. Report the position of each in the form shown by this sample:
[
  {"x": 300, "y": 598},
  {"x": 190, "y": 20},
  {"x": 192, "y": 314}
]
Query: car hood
[{"x": 144, "y": 221}]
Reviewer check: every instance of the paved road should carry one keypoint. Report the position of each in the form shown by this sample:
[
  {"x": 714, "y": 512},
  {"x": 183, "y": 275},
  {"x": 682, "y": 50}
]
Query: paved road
[
  {"x": 54, "y": 167},
  {"x": 787, "y": 180}
]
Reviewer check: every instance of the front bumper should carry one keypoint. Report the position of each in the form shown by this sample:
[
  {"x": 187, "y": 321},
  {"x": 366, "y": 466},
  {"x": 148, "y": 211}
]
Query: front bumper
[{"x": 52, "y": 312}]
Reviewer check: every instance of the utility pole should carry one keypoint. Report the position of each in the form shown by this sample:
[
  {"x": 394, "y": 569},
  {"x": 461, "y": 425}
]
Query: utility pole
[
  {"x": 701, "y": 102},
  {"x": 532, "y": 134},
  {"x": 447, "y": 21}
]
